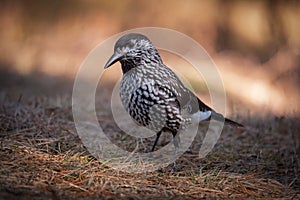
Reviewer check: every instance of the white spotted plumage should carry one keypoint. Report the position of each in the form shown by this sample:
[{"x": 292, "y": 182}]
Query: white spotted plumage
[{"x": 152, "y": 93}]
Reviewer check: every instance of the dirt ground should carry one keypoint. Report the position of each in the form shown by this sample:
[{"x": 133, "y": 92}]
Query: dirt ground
[{"x": 42, "y": 156}]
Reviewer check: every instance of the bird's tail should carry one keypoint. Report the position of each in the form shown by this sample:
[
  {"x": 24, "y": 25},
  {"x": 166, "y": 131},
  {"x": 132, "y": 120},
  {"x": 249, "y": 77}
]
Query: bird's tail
[
  {"x": 219, "y": 117},
  {"x": 233, "y": 123}
]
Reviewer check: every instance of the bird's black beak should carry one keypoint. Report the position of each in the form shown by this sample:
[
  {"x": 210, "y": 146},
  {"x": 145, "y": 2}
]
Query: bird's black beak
[{"x": 113, "y": 59}]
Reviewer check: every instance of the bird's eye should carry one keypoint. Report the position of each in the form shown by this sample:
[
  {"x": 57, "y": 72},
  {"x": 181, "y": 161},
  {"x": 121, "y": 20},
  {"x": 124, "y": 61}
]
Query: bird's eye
[
  {"x": 130, "y": 45},
  {"x": 119, "y": 50}
]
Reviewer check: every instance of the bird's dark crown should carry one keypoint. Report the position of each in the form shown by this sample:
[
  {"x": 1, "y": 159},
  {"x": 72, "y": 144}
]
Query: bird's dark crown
[
  {"x": 136, "y": 50},
  {"x": 130, "y": 40}
]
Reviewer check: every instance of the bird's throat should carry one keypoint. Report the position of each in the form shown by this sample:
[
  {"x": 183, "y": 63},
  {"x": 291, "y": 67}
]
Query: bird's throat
[{"x": 126, "y": 66}]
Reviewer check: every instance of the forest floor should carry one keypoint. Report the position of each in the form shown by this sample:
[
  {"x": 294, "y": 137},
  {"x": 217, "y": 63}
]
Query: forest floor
[{"x": 42, "y": 156}]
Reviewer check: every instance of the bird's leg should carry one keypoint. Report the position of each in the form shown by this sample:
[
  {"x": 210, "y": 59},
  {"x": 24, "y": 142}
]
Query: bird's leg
[
  {"x": 142, "y": 143},
  {"x": 155, "y": 142},
  {"x": 176, "y": 141}
]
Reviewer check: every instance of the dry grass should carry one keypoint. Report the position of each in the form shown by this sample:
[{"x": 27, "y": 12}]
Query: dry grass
[{"x": 42, "y": 157}]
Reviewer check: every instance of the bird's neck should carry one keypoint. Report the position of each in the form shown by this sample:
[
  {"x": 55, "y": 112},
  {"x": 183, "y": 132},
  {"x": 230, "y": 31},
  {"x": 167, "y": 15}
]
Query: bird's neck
[
  {"x": 141, "y": 60},
  {"x": 127, "y": 65}
]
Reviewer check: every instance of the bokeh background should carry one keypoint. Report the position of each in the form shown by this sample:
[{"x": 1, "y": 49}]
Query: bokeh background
[{"x": 255, "y": 44}]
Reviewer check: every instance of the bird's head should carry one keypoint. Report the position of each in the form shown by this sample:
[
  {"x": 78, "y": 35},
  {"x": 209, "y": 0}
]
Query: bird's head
[{"x": 133, "y": 50}]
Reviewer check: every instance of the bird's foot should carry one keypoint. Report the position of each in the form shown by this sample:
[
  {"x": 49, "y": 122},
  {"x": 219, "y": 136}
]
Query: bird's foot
[
  {"x": 151, "y": 154},
  {"x": 142, "y": 144},
  {"x": 175, "y": 169}
]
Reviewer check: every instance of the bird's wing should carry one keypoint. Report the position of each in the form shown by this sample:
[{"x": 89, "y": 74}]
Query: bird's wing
[
  {"x": 188, "y": 98},
  {"x": 183, "y": 94}
]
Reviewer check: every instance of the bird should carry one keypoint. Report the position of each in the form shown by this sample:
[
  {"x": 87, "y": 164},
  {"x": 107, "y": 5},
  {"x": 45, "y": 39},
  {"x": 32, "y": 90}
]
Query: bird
[{"x": 152, "y": 93}]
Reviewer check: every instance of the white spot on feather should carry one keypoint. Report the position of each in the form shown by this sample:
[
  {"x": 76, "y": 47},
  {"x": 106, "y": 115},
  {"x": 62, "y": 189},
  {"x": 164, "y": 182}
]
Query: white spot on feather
[{"x": 200, "y": 116}]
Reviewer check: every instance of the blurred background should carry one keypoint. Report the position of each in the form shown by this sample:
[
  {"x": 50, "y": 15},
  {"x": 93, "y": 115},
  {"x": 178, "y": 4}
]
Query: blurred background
[{"x": 255, "y": 44}]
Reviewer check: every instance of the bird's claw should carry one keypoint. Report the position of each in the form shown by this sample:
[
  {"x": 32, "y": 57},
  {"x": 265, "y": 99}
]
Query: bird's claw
[{"x": 176, "y": 169}]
